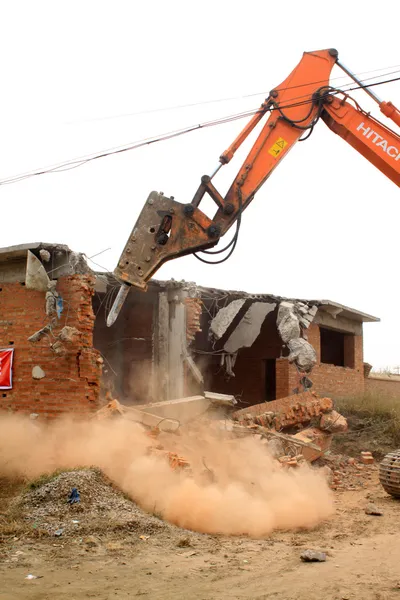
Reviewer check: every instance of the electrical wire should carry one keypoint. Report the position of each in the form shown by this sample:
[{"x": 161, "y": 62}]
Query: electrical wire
[
  {"x": 229, "y": 98},
  {"x": 74, "y": 163}
]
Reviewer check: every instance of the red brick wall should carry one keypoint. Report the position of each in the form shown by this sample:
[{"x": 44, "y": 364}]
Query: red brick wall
[
  {"x": 194, "y": 307},
  {"x": 71, "y": 382},
  {"x": 249, "y": 380},
  {"x": 383, "y": 387},
  {"x": 282, "y": 378},
  {"x": 329, "y": 380}
]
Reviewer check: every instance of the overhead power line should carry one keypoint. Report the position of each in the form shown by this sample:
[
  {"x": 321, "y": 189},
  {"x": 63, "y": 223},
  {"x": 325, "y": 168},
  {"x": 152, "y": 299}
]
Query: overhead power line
[
  {"x": 77, "y": 162},
  {"x": 229, "y": 98}
]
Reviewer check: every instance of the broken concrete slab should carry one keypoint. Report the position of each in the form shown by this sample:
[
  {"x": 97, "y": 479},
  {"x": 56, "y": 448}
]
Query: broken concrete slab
[
  {"x": 224, "y": 318},
  {"x": 182, "y": 409},
  {"x": 36, "y": 277},
  {"x": 38, "y": 335},
  {"x": 249, "y": 327},
  {"x": 150, "y": 420},
  {"x": 287, "y": 322},
  {"x": 302, "y": 354},
  {"x": 225, "y": 400},
  {"x": 115, "y": 409},
  {"x": 194, "y": 369}
]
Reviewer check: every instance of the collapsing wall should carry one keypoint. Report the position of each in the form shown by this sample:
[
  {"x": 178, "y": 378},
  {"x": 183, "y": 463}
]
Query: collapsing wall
[
  {"x": 57, "y": 370},
  {"x": 264, "y": 347}
]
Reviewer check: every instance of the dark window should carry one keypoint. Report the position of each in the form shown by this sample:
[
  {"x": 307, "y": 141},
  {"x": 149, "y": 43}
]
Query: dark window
[
  {"x": 337, "y": 348},
  {"x": 270, "y": 379}
]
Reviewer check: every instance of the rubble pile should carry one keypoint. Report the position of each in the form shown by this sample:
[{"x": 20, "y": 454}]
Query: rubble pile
[
  {"x": 344, "y": 473},
  {"x": 101, "y": 505},
  {"x": 314, "y": 416},
  {"x": 293, "y": 429}
]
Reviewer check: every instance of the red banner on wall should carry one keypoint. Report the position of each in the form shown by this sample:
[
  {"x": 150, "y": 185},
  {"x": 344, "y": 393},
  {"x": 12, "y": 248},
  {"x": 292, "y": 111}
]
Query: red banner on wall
[{"x": 6, "y": 361}]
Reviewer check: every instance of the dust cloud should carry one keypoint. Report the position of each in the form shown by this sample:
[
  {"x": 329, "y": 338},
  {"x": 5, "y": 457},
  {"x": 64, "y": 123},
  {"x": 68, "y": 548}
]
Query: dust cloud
[{"x": 234, "y": 487}]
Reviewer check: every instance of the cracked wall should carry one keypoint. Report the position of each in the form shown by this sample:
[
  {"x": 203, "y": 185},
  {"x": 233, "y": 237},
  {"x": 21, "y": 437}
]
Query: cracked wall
[
  {"x": 71, "y": 380},
  {"x": 265, "y": 366}
]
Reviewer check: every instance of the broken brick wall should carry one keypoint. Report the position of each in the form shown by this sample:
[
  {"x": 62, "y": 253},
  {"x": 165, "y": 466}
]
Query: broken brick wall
[
  {"x": 330, "y": 380},
  {"x": 71, "y": 381},
  {"x": 251, "y": 372},
  {"x": 194, "y": 309},
  {"x": 253, "y": 365},
  {"x": 128, "y": 345}
]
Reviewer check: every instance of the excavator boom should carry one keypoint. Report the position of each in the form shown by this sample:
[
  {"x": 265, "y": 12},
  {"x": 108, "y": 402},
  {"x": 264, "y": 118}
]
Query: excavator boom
[{"x": 167, "y": 229}]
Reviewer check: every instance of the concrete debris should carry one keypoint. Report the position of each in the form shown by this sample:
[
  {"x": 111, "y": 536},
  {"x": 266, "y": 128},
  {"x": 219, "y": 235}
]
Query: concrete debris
[
  {"x": 287, "y": 322},
  {"x": 194, "y": 369},
  {"x": 224, "y": 318},
  {"x": 290, "y": 449},
  {"x": 190, "y": 408},
  {"x": 115, "y": 409},
  {"x": 36, "y": 277},
  {"x": 302, "y": 354},
  {"x": 36, "y": 337},
  {"x": 45, "y": 255},
  {"x": 373, "y": 510},
  {"x": 69, "y": 334},
  {"x": 229, "y": 361},
  {"x": 313, "y": 556},
  {"x": 58, "y": 348},
  {"x": 51, "y": 299},
  {"x": 333, "y": 422},
  {"x": 225, "y": 400},
  {"x": 248, "y": 330},
  {"x": 293, "y": 319},
  {"x": 78, "y": 264},
  {"x": 38, "y": 373},
  {"x": 168, "y": 415}
]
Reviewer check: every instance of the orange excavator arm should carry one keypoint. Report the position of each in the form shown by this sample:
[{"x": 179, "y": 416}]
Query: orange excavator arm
[{"x": 167, "y": 229}]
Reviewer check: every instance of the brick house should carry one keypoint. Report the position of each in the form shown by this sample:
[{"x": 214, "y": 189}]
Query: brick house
[
  {"x": 160, "y": 347},
  {"x": 262, "y": 370}
]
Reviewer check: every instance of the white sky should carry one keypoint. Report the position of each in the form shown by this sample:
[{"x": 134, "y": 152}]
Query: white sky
[{"x": 325, "y": 225}]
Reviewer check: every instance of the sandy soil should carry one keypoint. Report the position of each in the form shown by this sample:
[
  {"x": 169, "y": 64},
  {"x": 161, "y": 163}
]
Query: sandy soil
[{"x": 363, "y": 556}]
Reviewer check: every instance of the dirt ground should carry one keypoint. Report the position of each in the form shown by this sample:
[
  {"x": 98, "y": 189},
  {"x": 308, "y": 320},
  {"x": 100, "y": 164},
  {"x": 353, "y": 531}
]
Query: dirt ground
[{"x": 112, "y": 552}]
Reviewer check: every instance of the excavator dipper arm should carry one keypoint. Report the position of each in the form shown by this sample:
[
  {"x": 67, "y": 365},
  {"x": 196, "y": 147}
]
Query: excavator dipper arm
[{"x": 376, "y": 142}]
